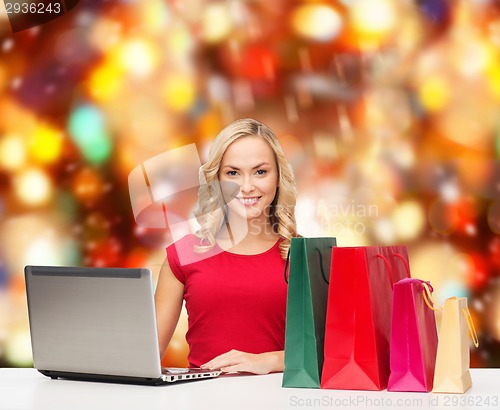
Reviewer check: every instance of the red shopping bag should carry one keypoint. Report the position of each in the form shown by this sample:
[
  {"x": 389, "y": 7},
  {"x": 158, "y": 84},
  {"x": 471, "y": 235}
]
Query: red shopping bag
[
  {"x": 414, "y": 337},
  {"x": 358, "y": 316}
]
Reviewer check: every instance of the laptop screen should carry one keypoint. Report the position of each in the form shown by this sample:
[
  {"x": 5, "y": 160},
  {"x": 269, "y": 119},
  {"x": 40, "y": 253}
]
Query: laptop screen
[{"x": 93, "y": 320}]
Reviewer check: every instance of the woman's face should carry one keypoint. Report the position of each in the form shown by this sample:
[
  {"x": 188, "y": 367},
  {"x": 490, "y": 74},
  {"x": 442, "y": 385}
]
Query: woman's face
[{"x": 250, "y": 164}]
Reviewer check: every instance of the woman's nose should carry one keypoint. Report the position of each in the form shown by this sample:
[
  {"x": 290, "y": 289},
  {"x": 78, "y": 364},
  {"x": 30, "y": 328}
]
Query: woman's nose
[{"x": 247, "y": 185}]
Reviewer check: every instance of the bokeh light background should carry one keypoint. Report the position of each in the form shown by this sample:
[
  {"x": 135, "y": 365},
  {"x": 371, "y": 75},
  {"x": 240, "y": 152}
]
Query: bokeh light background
[{"x": 388, "y": 111}]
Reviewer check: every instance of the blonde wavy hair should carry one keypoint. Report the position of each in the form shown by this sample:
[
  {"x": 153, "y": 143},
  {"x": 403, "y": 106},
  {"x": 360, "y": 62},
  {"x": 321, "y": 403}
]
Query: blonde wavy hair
[{"x": 211, "y": 212}]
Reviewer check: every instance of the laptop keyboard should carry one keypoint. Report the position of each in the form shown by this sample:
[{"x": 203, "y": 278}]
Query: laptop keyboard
[{"x": 173, "y": 370}]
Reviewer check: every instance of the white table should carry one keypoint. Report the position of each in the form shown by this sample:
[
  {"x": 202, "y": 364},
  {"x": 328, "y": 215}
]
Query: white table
[{"x": 24, "y": 389}]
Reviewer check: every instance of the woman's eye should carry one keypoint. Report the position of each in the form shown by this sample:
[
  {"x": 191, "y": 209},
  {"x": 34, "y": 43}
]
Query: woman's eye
[
  {"x": 231, "y": 173},
  {"x": 261, "y": 172}
]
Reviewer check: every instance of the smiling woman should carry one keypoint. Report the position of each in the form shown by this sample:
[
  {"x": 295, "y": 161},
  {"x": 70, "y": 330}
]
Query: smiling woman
[
  {"x": 252, "y": 152},
  {"x": 230, "y": 274},
  {"x": 257, "y": 177}
]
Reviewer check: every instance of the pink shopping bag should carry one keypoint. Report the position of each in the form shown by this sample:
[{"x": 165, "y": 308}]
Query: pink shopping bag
[{"x": 414, "y": 339}]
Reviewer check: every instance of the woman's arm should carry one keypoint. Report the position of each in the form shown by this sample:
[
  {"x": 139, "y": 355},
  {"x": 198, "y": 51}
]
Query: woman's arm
[
  {"x": 168, "y": 301},
  {"x": 236, "y": 361}
]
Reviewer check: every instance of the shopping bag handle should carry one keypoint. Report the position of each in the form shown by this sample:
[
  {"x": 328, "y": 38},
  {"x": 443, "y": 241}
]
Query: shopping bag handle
[
  {"x": 286, "y": 265},
  {"x": 397, "y": 255},
  {"x": 389, "y": 269},
  {"x": 470, "y": 324},
  {"x": 426, "y": 292},
  {"x": 321, "y": 266},
  {"x": 429, "y": 301}
]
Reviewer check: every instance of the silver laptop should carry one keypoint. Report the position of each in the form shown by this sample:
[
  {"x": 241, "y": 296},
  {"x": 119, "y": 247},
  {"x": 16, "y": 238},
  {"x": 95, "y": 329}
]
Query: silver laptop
[{"x": 97, "y": 324}]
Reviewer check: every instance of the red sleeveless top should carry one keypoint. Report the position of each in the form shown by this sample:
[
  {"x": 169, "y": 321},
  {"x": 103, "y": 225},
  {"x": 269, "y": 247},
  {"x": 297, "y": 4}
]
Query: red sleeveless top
[{"x": 233, "y": 301}]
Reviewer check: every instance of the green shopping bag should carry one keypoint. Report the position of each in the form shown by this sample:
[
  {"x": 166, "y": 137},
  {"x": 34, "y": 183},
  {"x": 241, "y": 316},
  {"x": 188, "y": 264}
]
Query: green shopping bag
[{"x": 309, "y": 260}]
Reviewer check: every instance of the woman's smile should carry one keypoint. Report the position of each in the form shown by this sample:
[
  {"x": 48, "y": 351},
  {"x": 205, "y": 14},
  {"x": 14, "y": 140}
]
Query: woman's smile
[{"x": 248, "y": 201}]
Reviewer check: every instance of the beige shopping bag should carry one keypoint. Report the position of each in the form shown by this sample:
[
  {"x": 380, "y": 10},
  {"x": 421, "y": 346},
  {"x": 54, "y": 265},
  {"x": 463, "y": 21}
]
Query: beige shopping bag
[{"x": 452, "y": 361}]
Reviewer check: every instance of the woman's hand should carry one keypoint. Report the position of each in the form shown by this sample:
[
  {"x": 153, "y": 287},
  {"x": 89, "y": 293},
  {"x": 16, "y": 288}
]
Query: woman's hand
[{"x": 236, "y": 361}]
